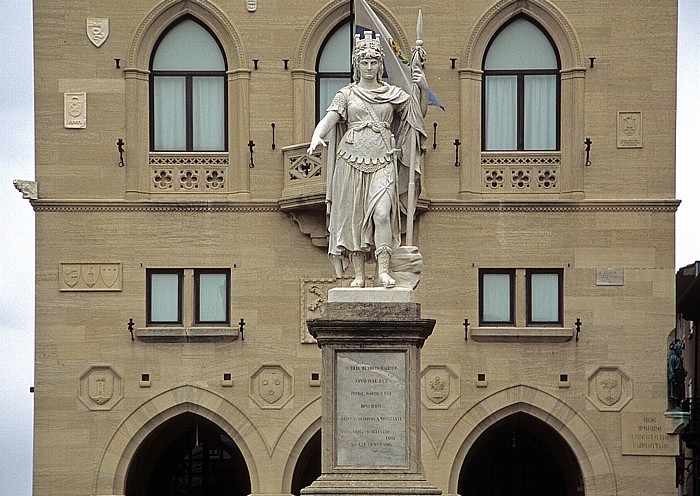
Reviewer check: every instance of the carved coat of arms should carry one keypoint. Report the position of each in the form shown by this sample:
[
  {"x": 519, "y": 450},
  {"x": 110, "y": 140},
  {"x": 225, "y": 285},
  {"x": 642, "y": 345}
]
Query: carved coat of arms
[
  {"x": 609, "y": 387},
  {"x": 90, "y": 274},
  {"x": 100, "y": 388},
  {"x": 630, "y": 125},
  {"x": 271, "y": 385},
  {"x": 438, "y": 385},
  {"x": 97, "y": 30},
  {"x": 110, "y": 274},
  {"x": 71, "y": 274}
]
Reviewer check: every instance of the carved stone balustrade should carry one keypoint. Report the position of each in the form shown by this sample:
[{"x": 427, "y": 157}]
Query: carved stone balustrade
[{"x": 304, "y": 191}]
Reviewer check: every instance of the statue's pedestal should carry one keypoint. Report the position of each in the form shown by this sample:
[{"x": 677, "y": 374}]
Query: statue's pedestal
[{"x": 371, "y": 341}]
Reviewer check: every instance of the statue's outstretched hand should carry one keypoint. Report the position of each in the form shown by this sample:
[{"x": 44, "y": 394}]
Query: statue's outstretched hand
[{"x": 315, "y": 143}]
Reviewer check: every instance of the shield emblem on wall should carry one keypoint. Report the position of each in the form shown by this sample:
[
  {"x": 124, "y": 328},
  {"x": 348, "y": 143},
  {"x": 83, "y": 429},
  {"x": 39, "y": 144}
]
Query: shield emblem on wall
[
  {"x": 109, "y": 273},
  {"x": 91, "y": 274},
  {"x": 101, "y": 388},
  {"x": 609, "y": 387},
  {"x": 271, "y": 385},
  {"x": 97, "y": 30},
  {"x": 438, "y": 385},
  {"x": 71, "y": 275}
]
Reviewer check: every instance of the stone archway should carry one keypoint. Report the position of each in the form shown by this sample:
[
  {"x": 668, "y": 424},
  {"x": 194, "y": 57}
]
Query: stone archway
[
  {"x": 129, "y": 436},
  {"x": 520, "y": 456},
  {"x": 587, "y": 448},
  {"x": 188, "y": 455}
]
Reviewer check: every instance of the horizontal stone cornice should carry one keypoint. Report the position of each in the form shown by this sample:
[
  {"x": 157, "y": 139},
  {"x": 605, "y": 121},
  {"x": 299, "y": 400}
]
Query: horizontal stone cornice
[
  {"x": 631, "y": 205},
  {"x": 626, "y": 205},
  {"x": 154, "y": 206}
]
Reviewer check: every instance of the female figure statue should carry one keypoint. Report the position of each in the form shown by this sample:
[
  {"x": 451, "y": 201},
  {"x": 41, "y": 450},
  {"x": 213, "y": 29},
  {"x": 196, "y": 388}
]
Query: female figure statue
[{"x": 372, "y": 125}]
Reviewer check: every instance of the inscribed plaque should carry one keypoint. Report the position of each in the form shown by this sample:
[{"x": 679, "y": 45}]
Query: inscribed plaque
[
  {"x": 647, "y": 434},
  {"x": 371, "y": 409}
]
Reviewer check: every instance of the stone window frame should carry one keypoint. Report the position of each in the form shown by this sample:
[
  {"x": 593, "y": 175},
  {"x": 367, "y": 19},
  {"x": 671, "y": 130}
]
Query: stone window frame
[
  {"x": 571, "y": 154},
  {"x": 188, "y": 297},
  {"x": 188, "y": 328},
  {"x": 188, "y": 76},
  {"x": 179, "y": 273},
  {"x": 137, "y": 122},
  {"x": 521, "y": 298},
  {"x": 512, "y": 298},
  {"x": 529, "y": 322},
  {"x": 521, "y": 74}
]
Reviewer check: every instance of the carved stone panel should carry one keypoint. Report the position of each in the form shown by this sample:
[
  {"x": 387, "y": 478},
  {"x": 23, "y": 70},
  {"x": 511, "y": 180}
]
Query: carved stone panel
[
  {"x": 98, "y": 276},
  {"x": 314, "y": 296},
  {"x": 271, "y": 387},
  {"x": 629, "y": 130},
  {"x": 100, "y": 388},
  {"x": 609, "y": 389},
  {"x": 75, "y": 110},
  {"x": 520, "y": 172},
  {"x": 440, "y": 387}
]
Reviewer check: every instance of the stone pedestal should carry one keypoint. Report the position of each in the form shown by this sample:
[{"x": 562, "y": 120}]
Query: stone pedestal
[{"x": 371, "y": 341}]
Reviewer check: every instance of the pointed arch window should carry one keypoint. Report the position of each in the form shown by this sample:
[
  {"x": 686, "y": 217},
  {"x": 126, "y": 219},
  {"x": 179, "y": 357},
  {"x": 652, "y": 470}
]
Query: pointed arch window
[
  {"x": 332, "y": 67},
  {"x": 521, "y": 90},
  {"x": 188, "y": 97}
]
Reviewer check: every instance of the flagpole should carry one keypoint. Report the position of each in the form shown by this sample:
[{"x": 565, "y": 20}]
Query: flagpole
[
  {"x": 414, "y": 155},
  {"x": 352, "y": 34}
]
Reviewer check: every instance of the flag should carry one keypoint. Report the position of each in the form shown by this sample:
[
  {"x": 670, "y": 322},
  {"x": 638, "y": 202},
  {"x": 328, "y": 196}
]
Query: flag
[{"x": 396, "y": 64}]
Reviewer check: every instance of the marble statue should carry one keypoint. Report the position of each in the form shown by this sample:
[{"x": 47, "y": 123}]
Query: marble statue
[
  {"x": 676, "y": 375},
  {"x": 375, "y": 133}
]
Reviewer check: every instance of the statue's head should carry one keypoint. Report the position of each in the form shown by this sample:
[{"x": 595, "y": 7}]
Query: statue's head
[
  {"x": 676, "y": 346},
  {"x": 367, "y": 48}
]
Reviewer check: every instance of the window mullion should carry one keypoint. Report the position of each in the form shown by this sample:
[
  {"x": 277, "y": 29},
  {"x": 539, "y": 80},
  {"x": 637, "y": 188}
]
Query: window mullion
[
  {"x": 521, "y": 111},
  {"x": 189, "y": 138}
]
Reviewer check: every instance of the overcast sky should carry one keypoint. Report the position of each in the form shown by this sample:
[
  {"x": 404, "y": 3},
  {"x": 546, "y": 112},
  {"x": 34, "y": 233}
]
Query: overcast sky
[{"x": 17, "y": 245}]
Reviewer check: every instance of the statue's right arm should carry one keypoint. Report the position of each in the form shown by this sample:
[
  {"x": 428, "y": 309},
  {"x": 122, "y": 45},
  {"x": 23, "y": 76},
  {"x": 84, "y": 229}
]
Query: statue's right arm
[{"x": 323, "y": 128}]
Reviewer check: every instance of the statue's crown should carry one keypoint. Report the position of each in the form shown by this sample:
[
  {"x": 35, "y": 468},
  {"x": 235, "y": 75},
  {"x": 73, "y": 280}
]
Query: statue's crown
[{"x": 368, "y": 43}]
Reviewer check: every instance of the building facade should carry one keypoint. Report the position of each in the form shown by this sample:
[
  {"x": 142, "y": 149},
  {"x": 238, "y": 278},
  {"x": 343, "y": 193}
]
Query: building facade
[{"x": 181, "y": 244}]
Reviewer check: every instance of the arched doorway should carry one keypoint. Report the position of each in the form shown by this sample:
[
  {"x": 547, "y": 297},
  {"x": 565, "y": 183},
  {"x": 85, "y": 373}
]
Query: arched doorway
[
  {"x": 188, "y": 456},
  {"x": 308, "y": 467},
  {"x": 520, "y": 456}
]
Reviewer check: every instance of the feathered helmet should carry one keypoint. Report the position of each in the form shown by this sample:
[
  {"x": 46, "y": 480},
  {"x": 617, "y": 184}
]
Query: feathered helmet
[{"x": 368, "y": 47}]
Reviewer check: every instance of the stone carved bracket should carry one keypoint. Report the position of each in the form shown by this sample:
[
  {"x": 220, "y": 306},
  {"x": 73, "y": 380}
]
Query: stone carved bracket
[{"x": 29, "y": 189}]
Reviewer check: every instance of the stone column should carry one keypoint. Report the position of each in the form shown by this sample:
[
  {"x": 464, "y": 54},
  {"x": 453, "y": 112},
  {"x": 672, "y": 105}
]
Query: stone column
[{"x": 370, "y": 341}]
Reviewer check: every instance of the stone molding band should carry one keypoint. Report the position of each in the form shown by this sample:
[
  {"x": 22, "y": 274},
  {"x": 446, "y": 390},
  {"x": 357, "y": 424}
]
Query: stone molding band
[{"x": 433, "y": 206}]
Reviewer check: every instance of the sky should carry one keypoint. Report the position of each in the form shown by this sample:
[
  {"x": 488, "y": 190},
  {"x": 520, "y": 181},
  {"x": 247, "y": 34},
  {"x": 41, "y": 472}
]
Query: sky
[{"x": 17, "y": 245}]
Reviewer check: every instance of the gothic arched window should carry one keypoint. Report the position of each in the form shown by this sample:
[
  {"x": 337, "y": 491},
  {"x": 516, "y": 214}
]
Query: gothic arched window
[
  {"x": 521, "y": 90},
  {"x": 188, "y": 90},
  {"x": 332, "y": 67}
]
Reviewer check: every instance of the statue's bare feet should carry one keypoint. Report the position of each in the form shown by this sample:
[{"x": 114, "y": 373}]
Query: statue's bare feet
[
  {"x": 358, "y": 282},
  {"x": 385, "y": 280}
]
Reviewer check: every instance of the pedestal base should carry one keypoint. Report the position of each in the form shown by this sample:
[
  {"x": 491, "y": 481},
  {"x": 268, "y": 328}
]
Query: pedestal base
[
  {"x": 352, "y": 484},
  {"x": 371, "y": 341}
]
